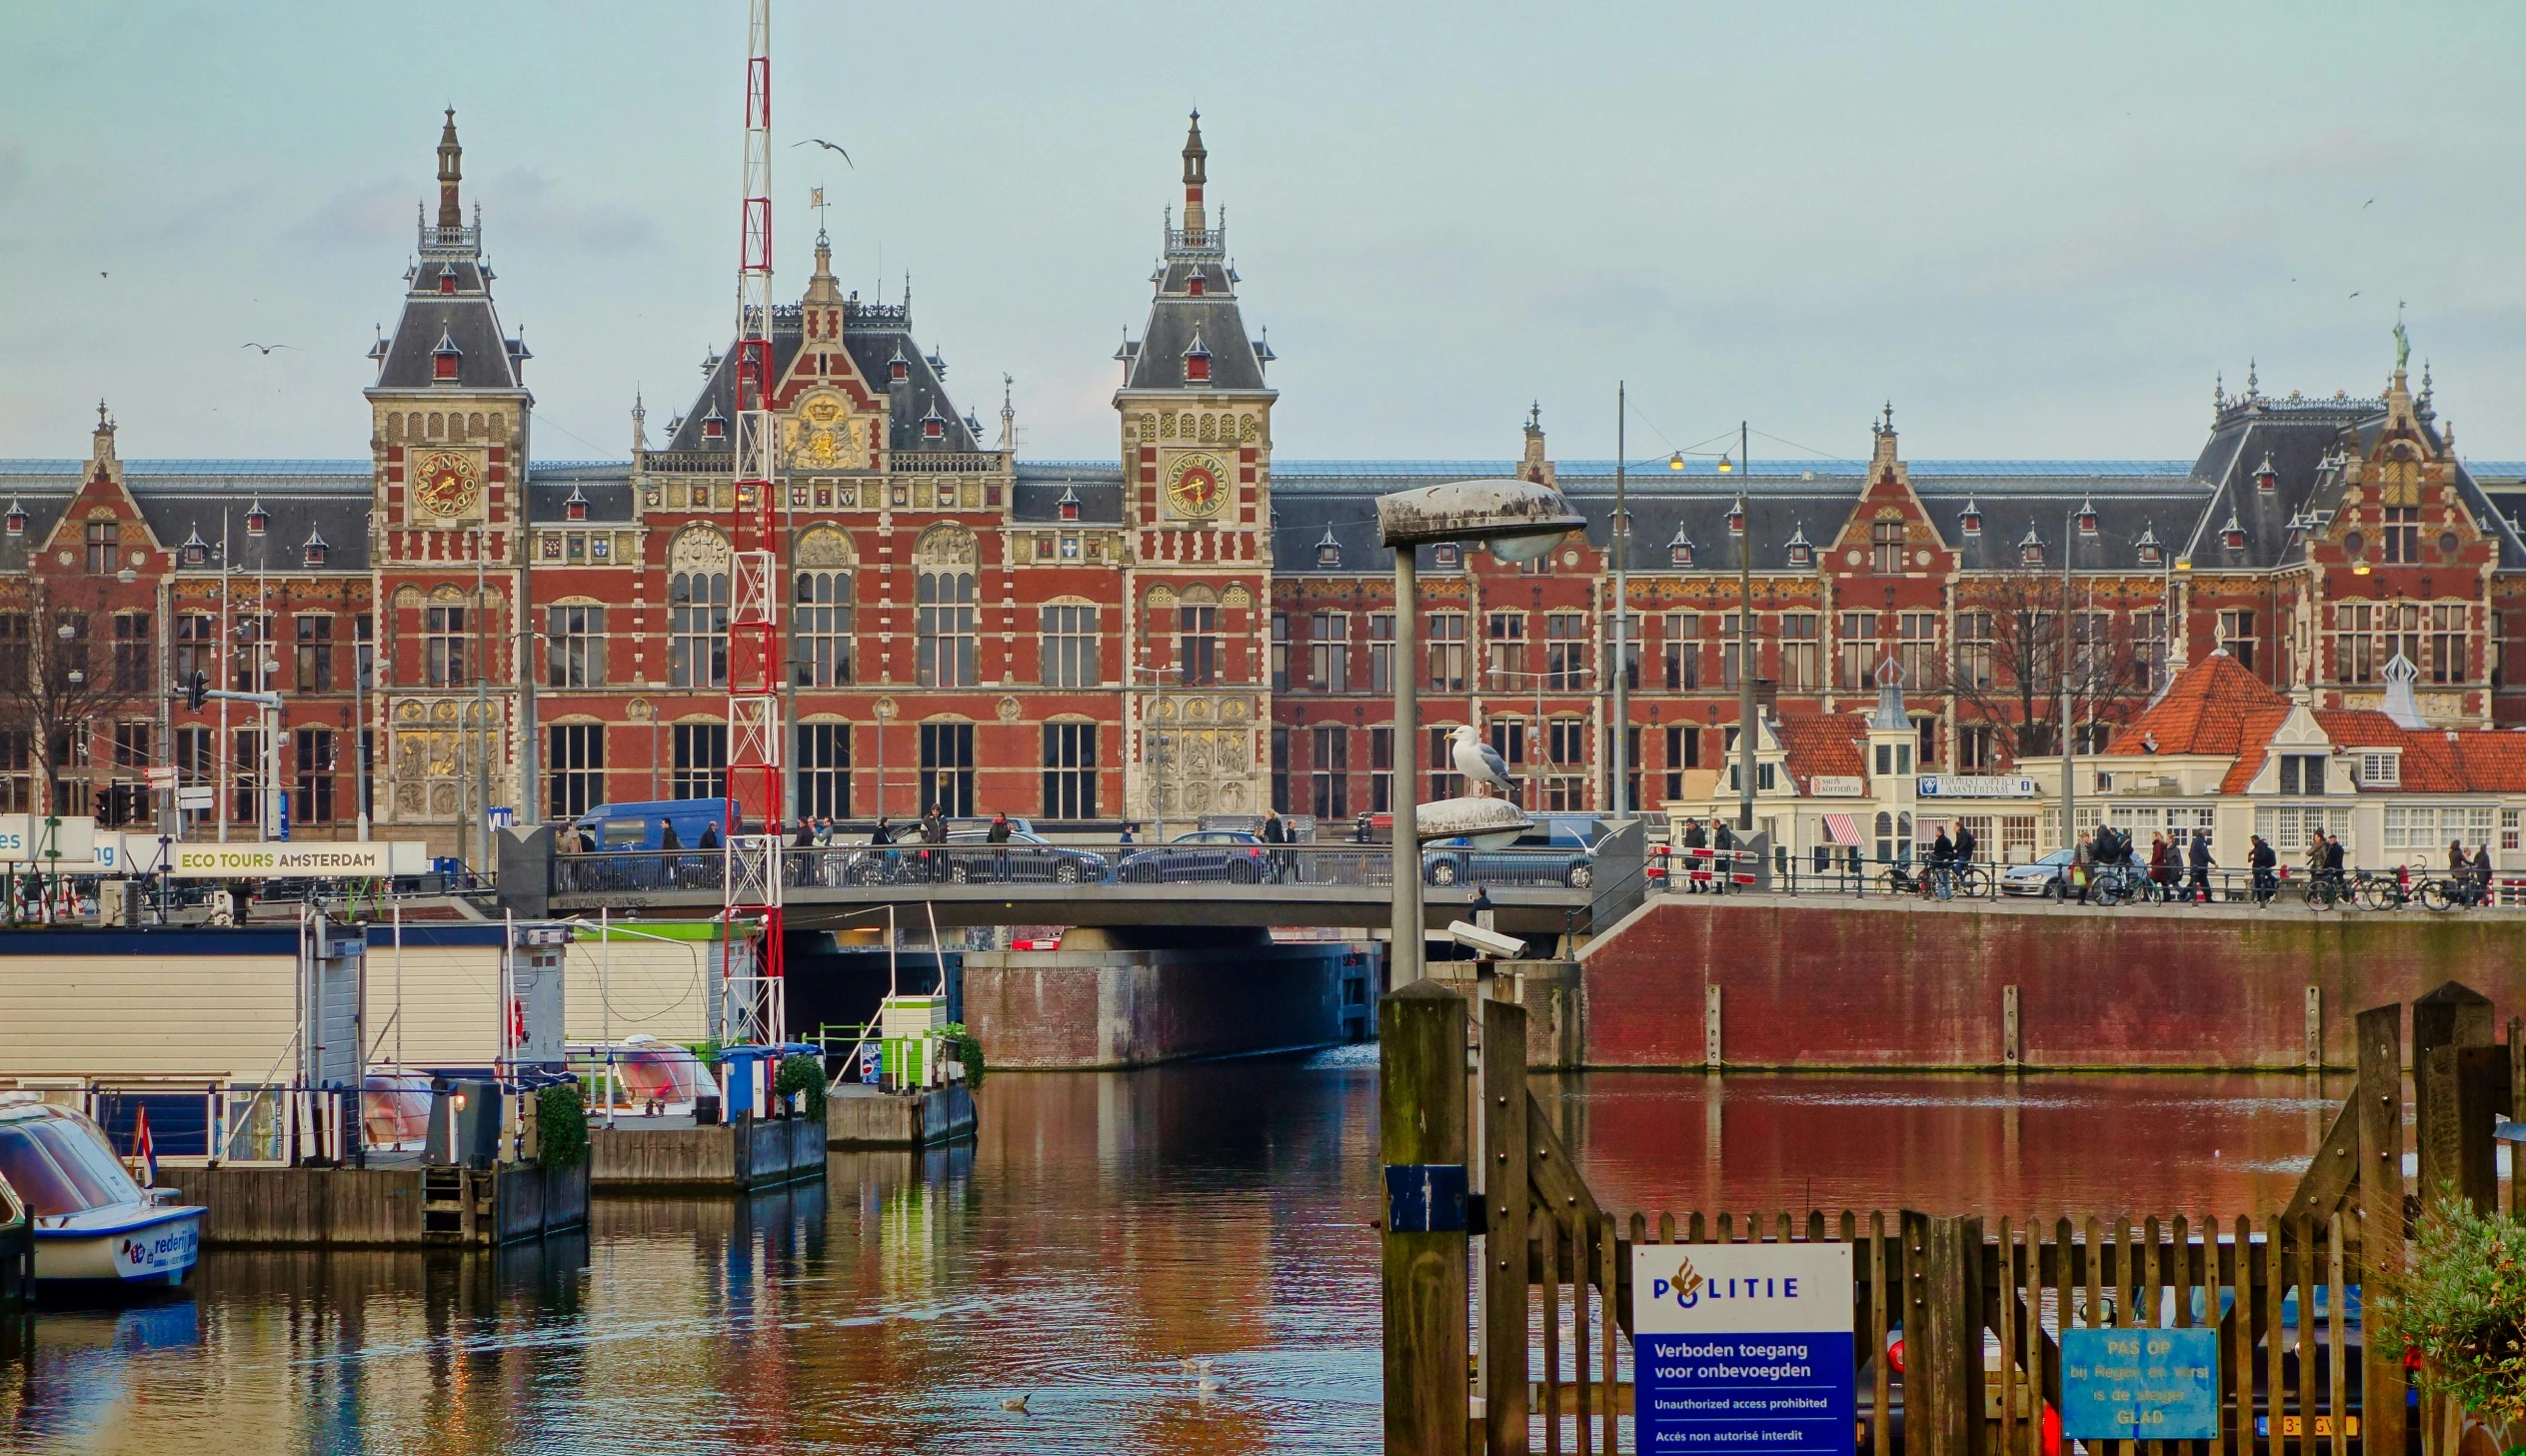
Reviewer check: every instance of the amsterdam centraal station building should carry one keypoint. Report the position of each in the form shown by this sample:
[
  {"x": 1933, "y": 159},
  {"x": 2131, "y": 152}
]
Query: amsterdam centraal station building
[{"x": 1196, "y": 626}]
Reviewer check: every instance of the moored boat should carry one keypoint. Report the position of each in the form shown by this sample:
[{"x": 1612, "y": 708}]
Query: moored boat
[{"x": 92, "y": 1221}]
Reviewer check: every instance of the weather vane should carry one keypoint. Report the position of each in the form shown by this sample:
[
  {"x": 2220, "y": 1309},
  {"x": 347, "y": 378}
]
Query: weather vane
[{"x": 816, "y": 200}]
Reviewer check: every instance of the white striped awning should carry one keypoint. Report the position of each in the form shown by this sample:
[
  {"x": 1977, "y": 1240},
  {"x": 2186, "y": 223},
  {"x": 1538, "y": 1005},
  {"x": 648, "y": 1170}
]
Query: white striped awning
[{"x": 1840, "y": 828}]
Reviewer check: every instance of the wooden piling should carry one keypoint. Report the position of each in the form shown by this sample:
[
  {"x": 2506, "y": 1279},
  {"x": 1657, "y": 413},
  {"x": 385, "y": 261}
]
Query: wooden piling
[{"x": 1421, "y": 1125}]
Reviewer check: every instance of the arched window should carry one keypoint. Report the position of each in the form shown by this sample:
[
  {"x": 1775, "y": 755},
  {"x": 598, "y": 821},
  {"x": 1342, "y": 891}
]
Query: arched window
[
  {"x": 697, "y": 630},
  {"x": 943, "y": 560},
  {"x": 821, "y": 630}
]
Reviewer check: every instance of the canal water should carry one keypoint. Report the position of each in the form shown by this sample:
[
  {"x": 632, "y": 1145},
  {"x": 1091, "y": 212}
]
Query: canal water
[{"x": 1176, "y": 1260}]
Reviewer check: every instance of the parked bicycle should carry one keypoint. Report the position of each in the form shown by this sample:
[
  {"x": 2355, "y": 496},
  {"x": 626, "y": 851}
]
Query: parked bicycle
[{"x": 1930, "y": 881}]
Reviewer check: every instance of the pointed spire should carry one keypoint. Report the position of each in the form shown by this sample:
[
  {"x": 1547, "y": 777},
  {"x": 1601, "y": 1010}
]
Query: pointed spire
[
  {"x": 102, "y": 452},
  {"x": 1196, "y": 172},
  {"x": 2400, "y": 705},
  {"x": 2253, "y": 384},
  {"x": 1008, "y": 415},
  {"x": 1891, "y": 715},
  {"x": 639, "y": 424},
  {"x": 451, "y": 172},
  {"x": 2219, "y": 390}
]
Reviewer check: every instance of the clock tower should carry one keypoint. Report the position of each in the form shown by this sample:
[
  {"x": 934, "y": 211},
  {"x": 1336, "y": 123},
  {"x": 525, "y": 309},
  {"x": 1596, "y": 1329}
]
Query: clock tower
[
  {"x": 1196, "y": 419},
  {"x": 448, "y": 446}
]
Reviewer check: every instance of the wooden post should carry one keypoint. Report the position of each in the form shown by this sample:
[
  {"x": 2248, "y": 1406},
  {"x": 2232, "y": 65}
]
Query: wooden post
[
  {"x": 1942, "y": 1334},
  {"x": 2451, "y": 1017},
  {"x": 2468, "y": 1093},
  {"x": 2517, "y": 1111},
  {"x": 1420, "y": 1139},
  {"x": 1509, "y": 1216},
  {"x": 2379, "y": 1098}
]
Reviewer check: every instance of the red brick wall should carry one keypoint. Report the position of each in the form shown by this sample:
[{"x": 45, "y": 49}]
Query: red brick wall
[{"x": 1868, "y": 985}]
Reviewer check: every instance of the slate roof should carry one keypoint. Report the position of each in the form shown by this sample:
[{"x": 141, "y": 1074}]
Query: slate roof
[
  {"x": 606, "y": 485},
  {"x": 179, "y": 497},
  {"x": 874, "y": 337},
  {"x": 1038, "y": 495},
  {"x": 466, "y": 318}
]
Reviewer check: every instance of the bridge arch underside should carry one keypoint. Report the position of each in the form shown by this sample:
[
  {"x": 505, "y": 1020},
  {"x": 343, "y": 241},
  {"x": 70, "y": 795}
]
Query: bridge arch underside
[{"x": 1516, "y": 911}]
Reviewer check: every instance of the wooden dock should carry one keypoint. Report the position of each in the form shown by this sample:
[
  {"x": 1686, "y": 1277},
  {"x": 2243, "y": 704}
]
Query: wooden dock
[
  {"x": 750, "y": 1154},
  {"x": 866, "y": 1117},
  {"x": 383, "y": 1207}
]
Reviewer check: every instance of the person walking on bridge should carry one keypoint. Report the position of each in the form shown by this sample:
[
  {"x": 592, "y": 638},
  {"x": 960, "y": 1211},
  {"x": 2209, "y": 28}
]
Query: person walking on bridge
[
  {"x": 2201, "y": 863},
  {"x": 934, "y": 833},
  {"x": 1696, "y": 863},
  {"x": 2263, "y": 862},
  {"x": 1942, "y": 867},
  {"x": 1276, "y": 832},
  {"x": 997, "y": 839}
]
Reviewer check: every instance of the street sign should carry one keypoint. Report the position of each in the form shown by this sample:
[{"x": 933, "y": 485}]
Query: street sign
[
  {"x": 162, "y": 777},
  {"x": 1744, "y": 1347},
  {"x": 503, "y": 817},
  {"x": 202, "y": 798},
  {"x": 1975, "y": 785},
  {"x": 2140, "y": 1384}
]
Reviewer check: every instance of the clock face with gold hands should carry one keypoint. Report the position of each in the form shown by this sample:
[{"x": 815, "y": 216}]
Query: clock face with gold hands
[
  {"x": 1197, "y": 485},
  {"x": 446, "y": 485}
]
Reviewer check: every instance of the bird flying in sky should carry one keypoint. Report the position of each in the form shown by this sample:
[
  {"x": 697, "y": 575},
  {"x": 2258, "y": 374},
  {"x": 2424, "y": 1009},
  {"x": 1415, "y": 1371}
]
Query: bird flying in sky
[
  {"x": 266, "y": 348},
  {"x": 1478, "y": 762},
  {"x": 827, "y": 146}
]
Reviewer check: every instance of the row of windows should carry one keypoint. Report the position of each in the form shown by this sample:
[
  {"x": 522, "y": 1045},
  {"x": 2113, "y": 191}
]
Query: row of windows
[{"x": 943, "y": 768}]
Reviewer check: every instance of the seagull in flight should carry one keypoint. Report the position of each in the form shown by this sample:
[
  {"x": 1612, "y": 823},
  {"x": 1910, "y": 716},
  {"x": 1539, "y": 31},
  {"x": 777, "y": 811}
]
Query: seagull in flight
[
  {"x": 827, "y": 146},
  {"x": 266, "y": 348},
  {"x": 1478, "y": 762}
]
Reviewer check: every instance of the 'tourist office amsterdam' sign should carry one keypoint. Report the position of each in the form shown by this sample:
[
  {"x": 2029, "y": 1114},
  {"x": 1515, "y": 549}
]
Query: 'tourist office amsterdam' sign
[{"x": 1743, "y": 1347}]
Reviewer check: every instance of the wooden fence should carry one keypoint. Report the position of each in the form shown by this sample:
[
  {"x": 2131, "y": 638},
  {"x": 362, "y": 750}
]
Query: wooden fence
[{"x": 1508, "y": 1344}]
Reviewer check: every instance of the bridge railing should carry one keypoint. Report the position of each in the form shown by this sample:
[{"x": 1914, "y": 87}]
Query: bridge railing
[{"x": 877, "y": 866}]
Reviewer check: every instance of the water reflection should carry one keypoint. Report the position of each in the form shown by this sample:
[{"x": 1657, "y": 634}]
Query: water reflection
[{"x": 1107, "y": 1230}]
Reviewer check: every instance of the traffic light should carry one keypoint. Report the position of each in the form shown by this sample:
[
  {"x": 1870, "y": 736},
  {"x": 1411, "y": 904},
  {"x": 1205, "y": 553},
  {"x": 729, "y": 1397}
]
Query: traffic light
[{"x": 195, "y": 690}]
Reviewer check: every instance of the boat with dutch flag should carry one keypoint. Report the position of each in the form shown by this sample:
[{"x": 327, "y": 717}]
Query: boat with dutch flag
[{"x": 93, "y": 1222}]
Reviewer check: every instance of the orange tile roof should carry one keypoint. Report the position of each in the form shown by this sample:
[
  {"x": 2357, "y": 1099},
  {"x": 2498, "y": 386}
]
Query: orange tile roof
[
  {"x": 1827, "y": 744},
  {"x": 2213, "y": 706}
]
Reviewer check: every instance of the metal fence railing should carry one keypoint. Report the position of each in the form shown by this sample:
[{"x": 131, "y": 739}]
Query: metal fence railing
[
  {"x": 1850, "y": 874},
  {"x": 200, "y": 1125},
  {"x": 841, "y": 866}
]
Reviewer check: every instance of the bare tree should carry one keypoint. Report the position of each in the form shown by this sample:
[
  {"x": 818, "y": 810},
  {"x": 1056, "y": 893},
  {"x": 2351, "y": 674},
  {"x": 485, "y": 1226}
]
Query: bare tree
[
  {"x": 62, "y": 684},
  {"x": 2011, "y": 634}
]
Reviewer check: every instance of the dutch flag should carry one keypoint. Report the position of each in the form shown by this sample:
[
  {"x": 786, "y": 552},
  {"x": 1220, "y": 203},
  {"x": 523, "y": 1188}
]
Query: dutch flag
[{"x": 144, "y": 1152}]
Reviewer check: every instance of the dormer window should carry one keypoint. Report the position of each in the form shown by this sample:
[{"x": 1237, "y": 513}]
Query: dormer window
[
  {"x": 714, "y": 425},
  {"x": 576, "y": 508},
  {"x": 1446, "y": 554},
  {"x": 314, "y": 550},
  {"x": 1679, "y": 550},
  {"x": 2030, "y": 550},
  {"x": 1069, "y": 503},
  {"x": 2232, "y": 536},
  {"x": 899, "y": 368},
  {"x": 195, "y": 551},
  {"x": 17, "y": 519},
  {"x": 2151, "y": 553},
  {"x": 445, "y": 359},
  {"x": 933, "y": 427},
  {"x": 1197, "y": 362},
  {"x": 258, "y": 520},
  {"x": 447, "y": 277},
  {"x": 2087, "y": 517},
  {"x": 1801, "y": 550},
  {"x": 2267, "y": 479},
  {"x": 1327, "y": 549},
  {"x": 1196, "y": 285},
  {"x": 1737, "y": 521},
  {"x": 1970, "y": 521}
]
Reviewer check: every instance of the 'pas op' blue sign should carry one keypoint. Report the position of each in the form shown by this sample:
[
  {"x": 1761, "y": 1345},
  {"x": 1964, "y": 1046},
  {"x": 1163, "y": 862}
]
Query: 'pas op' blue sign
[{"x": 1743, "y": 1347}]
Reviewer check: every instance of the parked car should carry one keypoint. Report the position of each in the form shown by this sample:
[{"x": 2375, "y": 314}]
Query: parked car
[
  {"x": 1229, "y": 856},
  {"x": 1025, "y": 859},
  {"x": 2048, "y": 876},
  {"x": 1560, "y": 851}
]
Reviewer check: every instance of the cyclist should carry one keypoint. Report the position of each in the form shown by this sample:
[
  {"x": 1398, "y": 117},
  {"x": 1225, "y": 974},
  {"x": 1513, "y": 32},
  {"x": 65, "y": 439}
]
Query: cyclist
[{"x": 1942, "y": 867}]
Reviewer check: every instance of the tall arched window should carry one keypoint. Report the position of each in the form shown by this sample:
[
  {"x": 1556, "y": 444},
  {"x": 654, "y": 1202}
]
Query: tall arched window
[
  {"x": 697, "y": 630},
  {"x": 943, "y": 560},
  {"x": 821, "y": 630}
]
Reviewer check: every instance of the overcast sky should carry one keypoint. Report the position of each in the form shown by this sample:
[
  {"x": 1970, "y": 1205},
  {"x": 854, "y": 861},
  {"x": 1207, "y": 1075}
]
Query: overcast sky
[{"x": 2039, "y": 229}]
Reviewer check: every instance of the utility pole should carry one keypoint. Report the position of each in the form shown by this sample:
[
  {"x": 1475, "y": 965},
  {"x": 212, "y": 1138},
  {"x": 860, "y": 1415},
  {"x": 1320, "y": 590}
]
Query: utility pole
[
  {"x": 1621, "y": 544},
  {"x": 1744, "y": 640},
  {"x": 481, "y": 706},
  {"x": 520, "y": 534},
  {"x": 2069, "y": 763}
]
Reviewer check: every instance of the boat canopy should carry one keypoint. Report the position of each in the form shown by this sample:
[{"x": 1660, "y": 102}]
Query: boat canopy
[{"x": 59, "y": 1163}]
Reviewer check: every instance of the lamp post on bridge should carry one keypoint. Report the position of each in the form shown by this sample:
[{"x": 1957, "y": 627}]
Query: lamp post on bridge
[{"x": 1520, "y": 520}]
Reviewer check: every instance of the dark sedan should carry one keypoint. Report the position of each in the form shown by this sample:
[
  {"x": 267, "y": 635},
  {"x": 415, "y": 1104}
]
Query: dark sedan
[{"x": 1213, "y": 857}]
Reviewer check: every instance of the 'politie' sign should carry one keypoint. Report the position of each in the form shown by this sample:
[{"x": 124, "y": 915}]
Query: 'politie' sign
[{"x": 1744, "y": 1347}]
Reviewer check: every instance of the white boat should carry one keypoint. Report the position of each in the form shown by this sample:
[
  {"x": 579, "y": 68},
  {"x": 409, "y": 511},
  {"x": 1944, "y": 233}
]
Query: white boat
[{"x": 92, "y": 1222}]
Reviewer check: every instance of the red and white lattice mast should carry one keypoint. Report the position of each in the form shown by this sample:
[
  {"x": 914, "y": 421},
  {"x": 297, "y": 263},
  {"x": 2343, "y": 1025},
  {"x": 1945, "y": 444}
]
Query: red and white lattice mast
[{"x": 751, "y": 904}]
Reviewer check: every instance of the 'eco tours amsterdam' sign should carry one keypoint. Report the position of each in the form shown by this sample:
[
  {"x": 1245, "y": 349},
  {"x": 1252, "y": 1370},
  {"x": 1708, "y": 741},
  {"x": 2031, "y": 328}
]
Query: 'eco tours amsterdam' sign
[
  {"x": 344, "y": 860},
  {"x": 1744, "y": 1347}
]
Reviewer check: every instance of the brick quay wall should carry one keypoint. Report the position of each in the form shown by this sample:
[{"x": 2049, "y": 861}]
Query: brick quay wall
[{"x": 1807, "y": 983}]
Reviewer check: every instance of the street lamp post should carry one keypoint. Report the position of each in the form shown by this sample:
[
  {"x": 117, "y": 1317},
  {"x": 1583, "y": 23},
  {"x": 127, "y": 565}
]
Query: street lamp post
[{"x": 1520, "y": 521}]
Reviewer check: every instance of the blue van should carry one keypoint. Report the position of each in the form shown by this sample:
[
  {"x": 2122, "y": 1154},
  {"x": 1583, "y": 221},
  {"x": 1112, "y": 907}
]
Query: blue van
[{"x": 635, "y": 825}]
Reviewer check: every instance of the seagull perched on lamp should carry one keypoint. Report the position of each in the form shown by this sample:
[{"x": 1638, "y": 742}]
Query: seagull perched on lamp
[{"x": 1478, "y": 762}]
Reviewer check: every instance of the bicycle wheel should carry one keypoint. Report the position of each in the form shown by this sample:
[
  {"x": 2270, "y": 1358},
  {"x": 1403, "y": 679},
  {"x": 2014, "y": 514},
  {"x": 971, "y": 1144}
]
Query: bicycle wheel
[
  {"x": 2433, "y": 895},
  {"x": 2108, "y": 890},
  {"x": 2376, "y": 894},
  {"x": 1975, "y": 883},
  {"x": 1894, "y": 882}
]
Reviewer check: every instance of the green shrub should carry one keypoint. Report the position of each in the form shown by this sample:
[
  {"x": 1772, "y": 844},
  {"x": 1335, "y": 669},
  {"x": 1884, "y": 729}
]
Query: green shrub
[
  {"x": 969, "y": 1052},
  {"x": 561, "y": 1126},
  {"x": 2463, "y": 1306},
  {"x": 803, "y": 1073}
]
